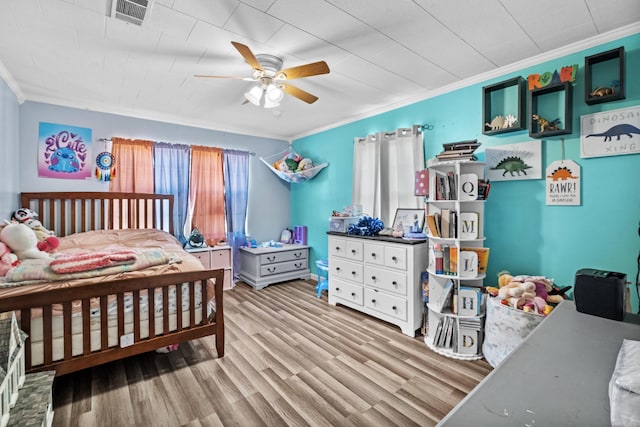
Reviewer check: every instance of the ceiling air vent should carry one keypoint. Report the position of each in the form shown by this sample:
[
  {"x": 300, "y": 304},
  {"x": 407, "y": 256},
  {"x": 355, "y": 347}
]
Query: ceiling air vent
[{"x": 132, "y": 11}]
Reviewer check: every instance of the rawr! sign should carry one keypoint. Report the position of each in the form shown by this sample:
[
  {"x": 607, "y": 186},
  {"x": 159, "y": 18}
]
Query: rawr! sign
[{"x": 563, "y": 183}]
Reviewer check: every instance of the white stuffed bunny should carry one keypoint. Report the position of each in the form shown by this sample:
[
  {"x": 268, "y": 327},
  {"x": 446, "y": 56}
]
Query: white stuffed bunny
[{"x": 22, "y": 241}]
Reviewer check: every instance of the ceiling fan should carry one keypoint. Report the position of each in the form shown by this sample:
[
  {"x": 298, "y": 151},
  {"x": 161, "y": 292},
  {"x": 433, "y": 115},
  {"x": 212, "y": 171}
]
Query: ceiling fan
[{"x": 273, "y": 81}]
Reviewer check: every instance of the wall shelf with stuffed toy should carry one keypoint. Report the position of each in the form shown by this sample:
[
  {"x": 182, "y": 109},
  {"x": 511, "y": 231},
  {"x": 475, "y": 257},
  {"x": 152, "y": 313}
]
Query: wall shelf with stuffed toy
[
  {"x": 503, "y": 107},
  {"x": 604, "y": 76},
  {"x": 292, "y": 167}
]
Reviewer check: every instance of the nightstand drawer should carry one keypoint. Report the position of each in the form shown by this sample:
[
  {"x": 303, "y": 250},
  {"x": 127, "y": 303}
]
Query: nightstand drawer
[
  {"x": 220, "y": 258},
  {"x": 275, "y": 257},
  {"x": 283, "y": 267},
  {"x": 204, "y": 258}
]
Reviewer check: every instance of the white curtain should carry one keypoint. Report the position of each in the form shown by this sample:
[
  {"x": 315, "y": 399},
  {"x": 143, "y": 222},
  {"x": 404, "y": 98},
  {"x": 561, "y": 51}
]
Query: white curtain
[{"x": 384, "y": 167}]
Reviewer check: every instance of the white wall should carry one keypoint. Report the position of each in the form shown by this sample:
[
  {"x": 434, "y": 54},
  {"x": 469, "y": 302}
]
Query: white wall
[
  {"x": 9, "y": 149},
  {"x": 268, "y": 195}
]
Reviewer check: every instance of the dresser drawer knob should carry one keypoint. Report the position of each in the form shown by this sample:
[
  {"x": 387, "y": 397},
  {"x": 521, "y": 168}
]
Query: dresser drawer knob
[
  {"x": 353, "y": 251},
  {"x": 271, "y": 258},
  {"x": 373, "y": 254},
  {"x": 337, "y": 268},
  {"x": 337, "y": 289},
  {"x": 394, "y": 308},
  {"x": 353, "y": 294},
  {"x": 353, "y": 273},
  {"x": 394, "y": 259},
  {"x": 373, "y": 278},
  {"x": 373, "y": 301},
  {"x": 297, "y": 254},
  {"x": 337, "y": 248},
  {"x": 271, "y": 269},
  {"x": 297, "y": 265},
  {"x": 394, "y": 283}
]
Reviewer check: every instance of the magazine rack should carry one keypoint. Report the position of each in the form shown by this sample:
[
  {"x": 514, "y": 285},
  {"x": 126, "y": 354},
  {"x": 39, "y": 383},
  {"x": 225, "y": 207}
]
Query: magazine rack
[{"x": 300, "y": 176}]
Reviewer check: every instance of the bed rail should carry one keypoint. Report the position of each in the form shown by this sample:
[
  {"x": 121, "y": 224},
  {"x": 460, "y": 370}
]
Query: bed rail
[
  {"x": 73, "y": 212},
  {"x": 48, "y": 301}
]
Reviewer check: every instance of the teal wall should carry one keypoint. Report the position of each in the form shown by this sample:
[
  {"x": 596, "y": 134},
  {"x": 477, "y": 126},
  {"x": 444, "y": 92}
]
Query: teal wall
[{"x": 525, "y": 235}]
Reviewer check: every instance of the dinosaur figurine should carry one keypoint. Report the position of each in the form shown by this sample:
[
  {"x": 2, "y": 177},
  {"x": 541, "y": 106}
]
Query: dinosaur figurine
[
  {"x": 546, "y": 125},
  {"x": 617, "y": 131}
]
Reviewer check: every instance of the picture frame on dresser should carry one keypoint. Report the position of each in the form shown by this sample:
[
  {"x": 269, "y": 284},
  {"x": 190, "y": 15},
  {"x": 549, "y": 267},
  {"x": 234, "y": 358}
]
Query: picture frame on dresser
[{"x": 405, "y": 217}]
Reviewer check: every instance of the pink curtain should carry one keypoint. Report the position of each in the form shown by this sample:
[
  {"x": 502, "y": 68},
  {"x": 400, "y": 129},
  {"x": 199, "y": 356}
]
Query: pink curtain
[
  {"x": 207, "y": 192},
  {"x": 133, "y": 166}
]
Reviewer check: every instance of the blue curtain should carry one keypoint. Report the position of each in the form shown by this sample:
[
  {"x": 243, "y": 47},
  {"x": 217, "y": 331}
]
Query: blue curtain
[
  {"x": 171, "y": 176},
  {"x": 236, "y": 194}
]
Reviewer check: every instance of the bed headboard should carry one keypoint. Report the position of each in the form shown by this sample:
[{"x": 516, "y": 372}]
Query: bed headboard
[{"x": 73, "y": 212}]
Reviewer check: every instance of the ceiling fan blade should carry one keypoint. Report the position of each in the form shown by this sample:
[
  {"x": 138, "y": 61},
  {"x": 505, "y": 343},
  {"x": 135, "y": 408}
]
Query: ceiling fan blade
[
  {"x": 247, "y": 55},
  {"x": 249, "y": 79},
  {"x": 307, "y": 70},
  {"x": 299, "y": 93}
]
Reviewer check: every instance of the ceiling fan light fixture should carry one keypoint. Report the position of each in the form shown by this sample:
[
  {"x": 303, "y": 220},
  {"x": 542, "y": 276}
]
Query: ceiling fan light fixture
[
  {"x": 254, "y": 95},
  {"x": 272, "y": 96}
]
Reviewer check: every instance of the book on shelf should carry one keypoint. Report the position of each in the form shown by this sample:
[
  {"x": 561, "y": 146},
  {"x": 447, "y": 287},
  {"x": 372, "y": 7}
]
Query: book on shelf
[
  {"x": 453, "y": 183},
  {"x": 438, "y": 331},
  {"x": 444, "y": 297},
  {"x": 462, "y": 150},
  {"x": 469, "y": 301},
  {"x": 461, "y": 145},
  {"x": 484, "y": 185},
  {"x": 432, "y": 226},
  {"x": 445, "y": 222},
  {"x": 450, "y": 326},
  {"x": 483, "y": 258},
  {"x": 469, "y": 225},
  {"x": 453, "y": 260},
  {"x": 453, "y": 225},
  {"x": 445, "y": 259}
]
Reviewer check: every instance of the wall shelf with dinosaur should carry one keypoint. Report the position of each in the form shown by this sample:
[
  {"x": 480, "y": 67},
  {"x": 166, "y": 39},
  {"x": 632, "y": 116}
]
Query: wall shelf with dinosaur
[
  {"x": 503, "y": 106},
  {"x": 604, "y": 75},
  {"x": 551, "y": 110}
]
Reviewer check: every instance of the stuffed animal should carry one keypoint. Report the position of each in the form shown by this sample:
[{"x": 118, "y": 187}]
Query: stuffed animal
[
  {"x": 23, "y": 214},
  {"x": 7, "y": 259},
  {"x": 47, "y": 242},
  {"x": 22, "y": 241},
  {"x": 305, "y": 164}
]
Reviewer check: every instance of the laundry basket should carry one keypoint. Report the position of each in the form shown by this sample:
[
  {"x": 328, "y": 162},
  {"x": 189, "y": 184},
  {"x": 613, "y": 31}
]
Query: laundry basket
[{"x": 322, "y": 266}]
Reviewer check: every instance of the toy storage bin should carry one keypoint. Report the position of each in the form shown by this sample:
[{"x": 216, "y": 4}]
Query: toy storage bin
[
  {"x": 322, "y": 266},
  {"x": 505, "y": 328},
  {"x": 340, "y": 224}
]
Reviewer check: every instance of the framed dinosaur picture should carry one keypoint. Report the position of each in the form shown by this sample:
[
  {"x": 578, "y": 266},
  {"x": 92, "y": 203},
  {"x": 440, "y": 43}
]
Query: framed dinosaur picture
[
  {"x": 513, "y": 162},
  {"x": 610, "y": 133}
]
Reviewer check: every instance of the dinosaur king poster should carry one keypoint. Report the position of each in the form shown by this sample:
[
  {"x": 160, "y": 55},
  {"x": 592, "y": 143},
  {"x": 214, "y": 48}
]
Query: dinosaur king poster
[
  {"x": 610, "y": 133},
  {"x": 64, "y": 151}
]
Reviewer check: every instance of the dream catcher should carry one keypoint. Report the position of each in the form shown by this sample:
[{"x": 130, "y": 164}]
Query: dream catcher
[{"x": 105, "y": 165}]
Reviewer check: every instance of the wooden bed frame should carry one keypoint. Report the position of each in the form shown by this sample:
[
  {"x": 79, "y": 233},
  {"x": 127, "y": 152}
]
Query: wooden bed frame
[{"x": 70, "y": 212}]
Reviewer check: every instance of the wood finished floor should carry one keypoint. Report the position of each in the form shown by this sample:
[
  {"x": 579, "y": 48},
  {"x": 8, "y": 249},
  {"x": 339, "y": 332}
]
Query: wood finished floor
[{"x": 291, "y": 359}]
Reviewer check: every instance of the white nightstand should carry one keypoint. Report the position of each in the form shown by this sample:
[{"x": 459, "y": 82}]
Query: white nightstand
[{"x": 214, "y": 257}]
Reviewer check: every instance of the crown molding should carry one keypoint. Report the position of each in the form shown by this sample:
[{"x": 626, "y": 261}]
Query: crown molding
[
  {"x": 11, "y": 82},
  {"x": 498, "y": 72}
]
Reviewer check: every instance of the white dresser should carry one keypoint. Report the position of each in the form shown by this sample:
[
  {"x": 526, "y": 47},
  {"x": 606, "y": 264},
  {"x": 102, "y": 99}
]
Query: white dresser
[
  {"x": 379, "y": 276},
  {"x": 260, "y": 267}
]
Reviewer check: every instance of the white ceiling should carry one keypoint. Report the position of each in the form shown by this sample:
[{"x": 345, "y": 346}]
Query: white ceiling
[{"x": 382, "y": 53}]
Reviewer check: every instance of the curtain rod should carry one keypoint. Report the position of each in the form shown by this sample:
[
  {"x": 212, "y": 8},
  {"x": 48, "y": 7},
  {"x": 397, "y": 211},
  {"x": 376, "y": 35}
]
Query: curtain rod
[{"x": 251, "y": 153}]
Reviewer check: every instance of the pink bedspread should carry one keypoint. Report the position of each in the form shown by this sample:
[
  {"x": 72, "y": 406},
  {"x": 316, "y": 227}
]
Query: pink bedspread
[{"x": 160, "y": 251}]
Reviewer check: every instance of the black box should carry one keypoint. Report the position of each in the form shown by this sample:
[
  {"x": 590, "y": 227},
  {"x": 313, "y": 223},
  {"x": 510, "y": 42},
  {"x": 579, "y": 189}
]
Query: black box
[{"x": 601, "y": 293}]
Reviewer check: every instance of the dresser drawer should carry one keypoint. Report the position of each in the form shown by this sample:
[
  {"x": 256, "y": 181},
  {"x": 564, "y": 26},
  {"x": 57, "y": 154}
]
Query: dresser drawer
[
  {"x": 384, "y": 303},
  {"x": 374, "y": 254},
  {"x": 337, "y": 247},
  {"x": 395, "y": 257},
  {"x": 221, "y": 258},
  {"x": 346, "y": 291},
  {"x": 355, "y": 250},
  {"x": 392, "y": 281},
  {"x": 283, "y": 267},
  {"x": 275, "y": 257},
  {"x": 346, "y": 269}
]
